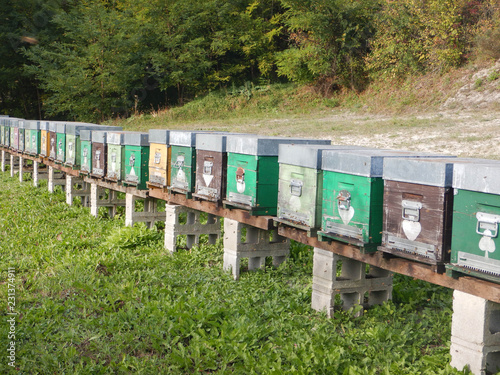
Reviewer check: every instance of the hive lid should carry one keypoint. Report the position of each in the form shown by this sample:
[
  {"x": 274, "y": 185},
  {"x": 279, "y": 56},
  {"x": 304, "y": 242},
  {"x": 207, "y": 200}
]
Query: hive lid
[
  {"x": 44, "y": 125},
  {"x": 86, "y": 135},
  {"x": 160, "y": 136},
  {"x": 308, "y": 156},
  {"x": 61, "y": 127},
  {"x": 264, "y": 146},
  {"x": 53, "y": 126},
  {"x": 98, "y": 136},
  {"x": 483, "y": 176},
  {"x": 136, "y": 139},
  {"x": 187, "y": 138},
  {"x": 22, "y": 124},
  {"x": 14, "y": 122},
  {"x": 367, "y": 163},
  {"x": 32, "y": 124},
  {"x": 115, "y": 138},
  {"x": 74, "y": 128},
  {"x": 213, "y": 141},
  {"x": 424, "y": 171}
]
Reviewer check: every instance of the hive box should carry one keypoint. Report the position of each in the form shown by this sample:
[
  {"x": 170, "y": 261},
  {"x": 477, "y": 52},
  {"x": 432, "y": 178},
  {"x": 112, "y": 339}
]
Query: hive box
[
  {"x": 60, "y": 142},
  {"x": 86, "y": 151},
  {"x": 99, "y": 153},
  {"x": 300, "y": 189},
  {"x": 211, "y": 167},
  {"x": 418, "y": 208},
  {"x": 159, "y": 157},
  {"x": 22, "y": 131},
  {"x": 475, "y": 241},
  {"x": 353, "y": 194},
  {"x": 253, "y": 171},
  {"x": 3, "y": 123},
  {"x": 14, "y": 134},
  {"x": 116, "y": 156},
  {"x": 183, "y": 160},
  {"x": 32, "y": 137},
  {"x": 44, "y": 138},
  {"x": 136, "y": 159},
  {"x": 52, "y": 134}
]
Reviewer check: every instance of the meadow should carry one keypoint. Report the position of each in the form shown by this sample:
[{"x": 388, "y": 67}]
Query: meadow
[{"x": 95, "y": 297}]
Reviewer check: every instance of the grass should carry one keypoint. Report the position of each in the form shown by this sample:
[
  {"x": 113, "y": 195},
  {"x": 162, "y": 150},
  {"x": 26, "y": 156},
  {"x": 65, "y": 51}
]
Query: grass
[{"x": 94, "y": 297}]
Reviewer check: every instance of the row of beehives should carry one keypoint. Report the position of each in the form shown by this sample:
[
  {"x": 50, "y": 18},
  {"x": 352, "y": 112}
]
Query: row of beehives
[{"x": 430, "y": 208}]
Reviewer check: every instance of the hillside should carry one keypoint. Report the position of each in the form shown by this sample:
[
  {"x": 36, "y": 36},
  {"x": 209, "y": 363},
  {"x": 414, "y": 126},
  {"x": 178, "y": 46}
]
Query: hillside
[{"x": 456, "y": 113}]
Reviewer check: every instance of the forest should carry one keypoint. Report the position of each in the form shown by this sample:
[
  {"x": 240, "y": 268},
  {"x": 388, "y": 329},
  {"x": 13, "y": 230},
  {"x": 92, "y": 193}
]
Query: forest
[{"x": 95, "y": 60}]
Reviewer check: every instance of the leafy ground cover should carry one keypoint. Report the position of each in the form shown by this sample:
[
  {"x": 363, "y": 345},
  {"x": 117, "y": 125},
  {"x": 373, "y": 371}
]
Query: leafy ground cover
[{"x": 94, "y": 297}]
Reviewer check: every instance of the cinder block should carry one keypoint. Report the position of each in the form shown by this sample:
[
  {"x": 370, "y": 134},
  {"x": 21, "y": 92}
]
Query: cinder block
[
  {"x": 3, "y": 160},
  {"x": 149, "y": 215},
  {"x": 76, "y": 187},
  {"x": 98, "y": 199},
  {"x": 352, "y": 285},
  {"x": 475, "y": 334},
  {"x": 193, "y": 227},
  {"x": 39, "y": 174},
  {"x": 55, "y": 178},
  {"x": 14, "y": 165},
  {"x": 258, "y": 245}
]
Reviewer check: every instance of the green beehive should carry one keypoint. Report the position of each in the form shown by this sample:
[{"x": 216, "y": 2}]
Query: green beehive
[
  {"x": 21, "y": 141},
  {"x": 183, "y": 160},
  {"x": 60, "y": 142},
  {"x": 475, "y": 239},
  {"x": 300, "y": 190},
  {"x": 253, "y": 171},
  {"x": 85, "y": 151},
  {"x": 32, "y": 137},
  {"x": 3, "y": 123},
  {"x": 353, "y": 190},
  {"x": 136, "y": 160}
]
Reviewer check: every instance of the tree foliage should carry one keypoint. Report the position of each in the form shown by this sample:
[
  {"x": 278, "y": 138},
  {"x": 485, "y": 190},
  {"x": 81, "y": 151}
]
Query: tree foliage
[{"x": 92, "y": 60}]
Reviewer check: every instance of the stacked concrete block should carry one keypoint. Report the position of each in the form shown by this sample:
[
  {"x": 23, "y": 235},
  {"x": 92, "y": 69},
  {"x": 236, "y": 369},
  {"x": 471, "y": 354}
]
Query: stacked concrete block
[
  {"x": 258, "y": 245},
  {"x": 55, "y": 178},
  {"x": 193, "y": 227},
  {"x": 14, "y": 165},
  {"x": 76, "y": 187},
  {"x": 4, "y": 161},
  {"x": 98, "y": 199},
  {"x": 39, "y": 173},
  {"x": 353, "y": 285},
  {"x": 475, "y": 334},
  {"x": 149, "y": 215}
]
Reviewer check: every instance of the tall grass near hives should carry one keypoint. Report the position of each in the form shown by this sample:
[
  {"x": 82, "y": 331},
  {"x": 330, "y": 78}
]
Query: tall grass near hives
[{"x": 94, "y": 297}]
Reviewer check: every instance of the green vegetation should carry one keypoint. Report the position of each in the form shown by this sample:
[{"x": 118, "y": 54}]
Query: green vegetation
[
  {"x": 94, "y": 297},
  {"x": 98, "y": 60}
]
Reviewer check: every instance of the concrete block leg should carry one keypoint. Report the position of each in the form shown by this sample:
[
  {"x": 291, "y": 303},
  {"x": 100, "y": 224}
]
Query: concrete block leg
[
  {"x": 149, "y": 215},
  {"x": 55, "y": 178},
  {"x": 193, "y": 228},
  {"x": 258, "y": 245},
  {"x": 76, "y": 187},
  {"x": 98, "y": 199},
  {"x": 39, "y": 174},
  {"x": 2, "y": 159},
  {"x": 352, "y": 285},
  {"x": 21, "y": 168},
  {"x": 475, "y": 334},
  {"x": 12, "y": 166}
]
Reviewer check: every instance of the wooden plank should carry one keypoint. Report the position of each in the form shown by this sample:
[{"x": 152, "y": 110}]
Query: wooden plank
[
  {"x": 117, "y": 187},
  {"x": 471, "y": 285},
  {"x": 242, "y": 216}
]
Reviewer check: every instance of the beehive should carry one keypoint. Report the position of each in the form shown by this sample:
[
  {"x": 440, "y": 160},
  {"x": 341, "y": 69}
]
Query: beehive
[
  {"x": 52, "y": 134},
  {"x": 61, "y": 142},
  {"x": 32, "y": 137},
  {"x": 183, "y": 160},
  {"x": 14, "y": 134},
  {"x": 300, "y": 189},
  {"x": 476, "y": 218},
  {"x": 253, "y": 171},
  {"x": 159, "y": 157},
  {"x": 7, "y": 133},
  {"x": 99, "y": 153},
  {"x": 136, "y": 159},
  {"x": 418, "y": 208},
  {"x": 211, "y": 166},
  {"x": 44, "y": 139},
  {"x": 116, "y": 156},
  {"x": 22, "y": 131},
  {"x": 85, "y": 151},
  {"x": 3, "y": 124},
  {"x": 353, "y": 195}
]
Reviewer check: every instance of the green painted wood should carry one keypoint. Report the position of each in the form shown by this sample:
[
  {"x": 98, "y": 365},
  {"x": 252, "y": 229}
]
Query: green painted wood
[
  {"x": 21, "y": 145},
  {"x": 300, "y": 195},
  {"x": 466, "y": 206},
  {"x": 252, "y": 182},
  {"x": 60, "y": 147},
  {"x": 35, "y": 141},
  {"x": 136, "y": 166},
  {"x": 361, "y": 220},
  {"x": 116, "y": 162},
  {"x": 86, "y": 156},
  {"x": 182, "y": 168}
]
